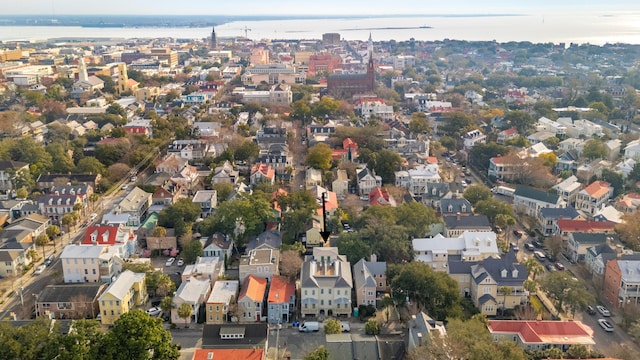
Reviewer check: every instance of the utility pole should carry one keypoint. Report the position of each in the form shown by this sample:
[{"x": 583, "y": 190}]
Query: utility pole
[{"x": 245, "y": 32}]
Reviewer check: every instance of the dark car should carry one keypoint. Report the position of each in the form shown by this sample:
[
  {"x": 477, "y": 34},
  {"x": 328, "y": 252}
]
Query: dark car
[
  {"x": 551, "y": 257},
  {"x": 518, "y": 233},
  {"x": 537, "y": 244},
  {"x": 529, "y": 247},
  {"x": 591, "y": 310},
  {"x": 155, "y": 303}
]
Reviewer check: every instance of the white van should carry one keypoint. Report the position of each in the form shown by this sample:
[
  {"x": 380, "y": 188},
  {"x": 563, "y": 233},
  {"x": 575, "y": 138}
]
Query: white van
[
  {"x": 539, "y": 255},
  {"x": 345, "y": 326},
  {"x": 309, "y": 326}
]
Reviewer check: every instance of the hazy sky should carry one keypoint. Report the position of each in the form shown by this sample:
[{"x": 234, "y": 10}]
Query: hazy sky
[{"x": 295, "y": 7}]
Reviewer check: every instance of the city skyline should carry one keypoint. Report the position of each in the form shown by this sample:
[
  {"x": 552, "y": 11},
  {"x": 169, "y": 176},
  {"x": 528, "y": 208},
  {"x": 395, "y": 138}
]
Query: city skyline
[{"x": 293, "y": 7}]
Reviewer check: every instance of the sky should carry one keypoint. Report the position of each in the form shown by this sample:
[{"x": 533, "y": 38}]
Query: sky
[{"x": 305, "y": 7}]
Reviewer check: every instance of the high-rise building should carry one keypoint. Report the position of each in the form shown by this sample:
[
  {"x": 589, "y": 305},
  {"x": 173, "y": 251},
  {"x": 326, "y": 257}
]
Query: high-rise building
[{"x": 331, "y": 39}]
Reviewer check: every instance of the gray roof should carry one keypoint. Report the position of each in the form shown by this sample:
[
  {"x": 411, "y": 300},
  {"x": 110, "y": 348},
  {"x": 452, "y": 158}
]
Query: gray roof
[
  {"x": 515, "y": 274},
  {"x": 467, "y": 222},
  {"x": 629, "y": 270},
  {"x": 539, "y": 195},
  {"x": 459, "y": 266},
  {"x": 267, "y": 238},
  {"x": 364, "y": 272},
  {"x": 559, "y": 213},
  {"x": 486, "y": 298},
  {"x": 255, "y": 335},
  {"x": 456, "y": 205},
  {"x": 67, "y": 292},
  {"x": 341, "y": 277},
  {"x": 592, "y": 238}
]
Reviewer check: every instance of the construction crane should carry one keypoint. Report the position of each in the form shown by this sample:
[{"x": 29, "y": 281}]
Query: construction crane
[{"x": 245, "y": 32}]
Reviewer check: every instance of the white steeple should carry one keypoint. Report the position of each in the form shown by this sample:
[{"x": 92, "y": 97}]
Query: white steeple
[{"x": 82, "y": 71}]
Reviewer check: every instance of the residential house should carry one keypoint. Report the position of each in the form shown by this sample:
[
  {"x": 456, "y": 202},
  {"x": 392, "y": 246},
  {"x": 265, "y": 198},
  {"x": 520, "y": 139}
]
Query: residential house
[
  {"x": 36, "y": 224},
  {"x": 568, "y": 189},
  {"x": 594, "y": 197},
  {"x": 69, "y": 301},
  {"x": 530, "y": 200},
  {"x": 340, "y": 185},
  {"x": 380, "y": 196},
  {"x": 312, "y": 178},
  {"x": 123, "y": 239},
  {"x": 632, "y": 150},
  {"x": 470, "y": 246},
  {"x": 567, "y": 161},
  {"x": 89, "y": 263},
  {"x": 609, "y": 213},
  {"x": 219, "y": 246},
  {"x": 229, "y": 354},
  {"x": 613, "y": 147},
  {"x": 595, "y": 168},
  {"x": 579, "y": 242},
  {"x": 165, "y": 195},
  {"x": 205, "y": 268},
  {"x": 189, "y": 149},
  {"x": 281, "y": 301},
  {"x": 370, "y": 281},
  {"x": 8, "y": 170},
  {"x": 629, "y": 203},
  {"x": 421, "y": 328},
  {"x": 367, "y": 181},
  {"x": 262, "y": 173},
  {"x": 625, "y": 167},
  {"x": 434, "y": 194},
  {"x": 277, "y": 156},
  {"x": 506, "y": 135},
  {"x": 349, "y": 151},
  {"x": 135, "y": 204},
  {"x": 490, "y": 279},
  {"x": 225, "y": 174},
  {"x": 236, "y": 336},
  {"x": 548, "y": 218},
  {"x": 566, "y": 227},
  {"x": 127, "y": 292},
  {"x": 251, "y": 299},
  {"x": 55, "y": 206},
  {"x": 417, "y": 180},
  {"x": 326, "y": 284},
  {"x": 207, "y": 200},
  {"x": 473, "y": 137},
  {"x": 542, "y": 334},
  {"x": 455, "y": 207},
  {"x": 455, "y": 226},
  {"x": 265, "y": 240},
  {"x": 622, "y": 282},
  {"x": 222, "y": 297},
  {"x": 597, "y": 258},
  {"x": 194, "y": 292},
  {"x": 187, "y": 177},
  {"x": 46, "y": 181},
  {"x": 376, "y": 107},
  {"x": 261, "y": 263},
  {"x": 14, "y": 248},
  {"x": 572, "y": 144},
  {"x": 540, "y": 136},
  {"x": 171, "y": 164}
]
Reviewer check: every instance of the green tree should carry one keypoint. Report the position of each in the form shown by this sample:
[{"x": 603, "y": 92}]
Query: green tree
[
  {"x": 566, "y": 290},
  {"x": 353, "y": 247},
  {"x": 505, "y": 291},
  {"x": 223, "y": 190},
  {"x": 22, "y": 193},
  {"x": 157, "y": 282},
  {"x": 137, "y": 336},
  {"x": 416, "y": 218},
  {"x": 491, "y": 208},
  {"x": 246, "y": 151},
  {"x": 435, "y": 291},
  {"x": 332, "y": 326},
  {"x": 326, "y": 106},
  {"x": 522, "y": 121},
  {"x": 166, "y": 304},
  {"x": 385, "y": 163},
  {"x": 191, "y": 250},
  {"x": 372, "y": 327},
  {"x": 477, "y": 192},
  {"x": 52, "y": 231},
  {"x": 184, "y": 312},
  {"x": 320, "y": 353},
  {"x": 319, "y": 156},
  {"x": 534, "y": 268},
  {"x": 179, "y": 216},
  {"x": 419, "y": 123},
  {"x": 594, "y": 149},
  {"x": 578, "y": 351},
  {"x": 448, "y": 142},
  {"x": 90, "y": 165},
  {"x": 300, "y": 110},
  {"x": 456, "y": 122}
]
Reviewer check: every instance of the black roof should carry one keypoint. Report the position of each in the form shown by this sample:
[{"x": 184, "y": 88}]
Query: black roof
[
  {"x": 476, "y": 221},
  {"x": 255, "y": 335},
  {"x": 65, "y": 293}
]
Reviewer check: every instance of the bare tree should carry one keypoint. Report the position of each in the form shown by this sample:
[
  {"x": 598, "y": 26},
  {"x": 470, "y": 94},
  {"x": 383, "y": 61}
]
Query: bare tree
[
  {"x": 290, "y": 264},
  {"x": 83, "y": 306},
  {"x": 555, "y": 244}
]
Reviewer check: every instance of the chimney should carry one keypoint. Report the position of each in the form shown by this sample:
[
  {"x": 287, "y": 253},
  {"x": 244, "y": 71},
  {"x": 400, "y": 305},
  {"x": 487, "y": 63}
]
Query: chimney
[
  {"x": 458, "y": 215},
  {"x": 374, "y": 258},
  {"x": 419, "y": 339}
]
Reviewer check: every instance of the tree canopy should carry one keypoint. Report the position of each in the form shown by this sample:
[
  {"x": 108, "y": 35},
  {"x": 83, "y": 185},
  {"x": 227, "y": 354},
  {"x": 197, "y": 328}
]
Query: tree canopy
[{"x": 319, "y": 156}]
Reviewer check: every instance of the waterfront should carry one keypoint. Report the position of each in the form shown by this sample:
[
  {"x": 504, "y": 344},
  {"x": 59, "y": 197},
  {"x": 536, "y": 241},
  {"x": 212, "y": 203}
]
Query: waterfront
[{"x": 587, "y": 27}]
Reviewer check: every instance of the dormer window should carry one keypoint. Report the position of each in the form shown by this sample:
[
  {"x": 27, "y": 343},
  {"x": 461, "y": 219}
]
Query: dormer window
[
  {"x": 450, "y": 208},
  {"x": 463, "y": 208},
  {"x": 503, "y": 273}
]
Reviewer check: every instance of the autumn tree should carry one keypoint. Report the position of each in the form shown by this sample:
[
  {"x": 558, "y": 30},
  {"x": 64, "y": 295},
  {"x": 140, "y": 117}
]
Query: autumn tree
[
  {"x": 419, "y": 123},
  {"x": 118, "y": 171},
  {"x": 332, "y": 326},
  {"x": 629, "y": 229},
  {"x": 319, "y": 156},
  {"x": 290, "y": 264}
]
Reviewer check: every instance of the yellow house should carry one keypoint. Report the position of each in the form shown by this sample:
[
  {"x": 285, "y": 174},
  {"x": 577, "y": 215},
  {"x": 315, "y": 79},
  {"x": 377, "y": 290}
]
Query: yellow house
[
  {"x": 222, "y": 296},
  {"x": 127, "y": 292}
]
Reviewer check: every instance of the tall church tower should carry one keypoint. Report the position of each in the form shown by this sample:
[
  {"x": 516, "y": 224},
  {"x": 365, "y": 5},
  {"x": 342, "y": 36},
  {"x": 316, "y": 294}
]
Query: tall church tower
[
  {"x": 123, "y": 79},
  {"x": 82, "y": 70},
  {"x": 371, "y": 74},
  {"x": 214, "y": 41}
]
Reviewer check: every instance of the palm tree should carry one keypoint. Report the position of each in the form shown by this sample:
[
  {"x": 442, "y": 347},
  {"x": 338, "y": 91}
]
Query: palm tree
[
  {"x": 42, "y": 240},
  {"x": 166, "y": 304},
  {"x": 185, "y": 311},
  {"x": 506, "y": 291},
  {"x": 533, "y": 267}
]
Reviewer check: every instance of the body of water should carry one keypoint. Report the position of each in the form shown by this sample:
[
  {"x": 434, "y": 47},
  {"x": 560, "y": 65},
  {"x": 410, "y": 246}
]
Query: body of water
[{"x": 588, "y": 27}]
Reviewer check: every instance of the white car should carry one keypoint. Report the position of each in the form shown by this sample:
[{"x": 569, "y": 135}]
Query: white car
[
  {"x": 93, "y": 216},
  {"x": 40, "y": 269},
  {"x": 154, "y": 311},
  {"x": 603, "y": 310},
  {"x": 180, "y": 262},
  {"x": 170, "y": 262},
  {"x": 604, "y": 324}
]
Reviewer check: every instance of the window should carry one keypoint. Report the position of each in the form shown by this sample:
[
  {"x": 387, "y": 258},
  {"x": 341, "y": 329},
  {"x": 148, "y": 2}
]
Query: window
[
  {"x": 117, "y": 302},
  {"x": 321, "y": 291},
  {"x": 329, "y": 302},
  {"x": 112, "y": 313},
  {"x": 321, "y": 302},
  {"x": 93, "y": 271},
  {"x": 217, "y": 308},
  {"x": 306, "y": 306}
]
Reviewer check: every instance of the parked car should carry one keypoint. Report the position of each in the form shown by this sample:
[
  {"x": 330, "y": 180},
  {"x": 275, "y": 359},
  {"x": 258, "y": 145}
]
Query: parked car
[
  {"x": 605, "y": 325},
  {"x": 551, "y": 268},
  {"x": 529, "y": 247},
  {"x": 514, "y": 246},
  {"x": 40, "y": 269},
  {"x": 154, "y": 311},
  {"x": 591, "y": 310},
  {"x": 170, "y": 262},
  {"x": 550, "y": 257},
  {"x": 180, "y": 262},
  {"x": 537, "y": 244},
  {"x": 345, "y": 326},
  {"x": 518, "y": 233},
  {"x": 93, "y": 216},
  {"x": 539, "y": 255},
  {"x": 309, "y": 326},
  {"x": 603, "y": 310},
  {"x": 49, "y": 260},
  {"x": 559, "y": 266}
]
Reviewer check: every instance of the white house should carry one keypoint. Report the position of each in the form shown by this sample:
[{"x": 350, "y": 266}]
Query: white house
[
  {"x": 530, "y": 200},
  {"x": 471, "y": 246},
  {"x": 193, "y": 292}
]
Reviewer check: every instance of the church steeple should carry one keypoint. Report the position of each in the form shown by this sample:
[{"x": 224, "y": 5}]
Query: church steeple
[
  {"x": 214, "y": 41},
  {"x": 82, "y": 70}
]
